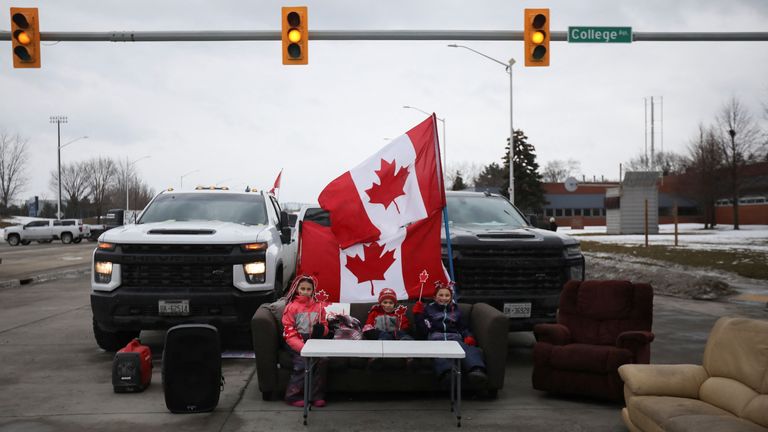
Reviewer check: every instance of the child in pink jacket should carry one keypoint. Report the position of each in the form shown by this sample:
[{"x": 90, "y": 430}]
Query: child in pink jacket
[{"x": 304, "y": 318}]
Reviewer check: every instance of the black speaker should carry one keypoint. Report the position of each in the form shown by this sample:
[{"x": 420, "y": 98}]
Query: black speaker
[{"x": 191, "y": 368}]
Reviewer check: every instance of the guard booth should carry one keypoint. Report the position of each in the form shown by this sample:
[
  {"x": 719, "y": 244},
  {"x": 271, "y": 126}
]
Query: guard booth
[{"x": 625, "y": 205}]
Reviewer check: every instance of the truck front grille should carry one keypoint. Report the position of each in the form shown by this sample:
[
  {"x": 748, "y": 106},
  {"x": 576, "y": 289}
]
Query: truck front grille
[
  {"x": 501, "y": 270},
  {"x": 166, "y": 275},
  {"x": 176, "y": 249}
]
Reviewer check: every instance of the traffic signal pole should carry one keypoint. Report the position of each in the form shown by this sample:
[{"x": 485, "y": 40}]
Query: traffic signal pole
[{"x": 373, "y": 35}]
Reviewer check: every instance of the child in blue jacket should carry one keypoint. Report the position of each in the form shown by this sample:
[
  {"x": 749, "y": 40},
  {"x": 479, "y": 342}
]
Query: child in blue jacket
[{"x": 441, "y": 320}]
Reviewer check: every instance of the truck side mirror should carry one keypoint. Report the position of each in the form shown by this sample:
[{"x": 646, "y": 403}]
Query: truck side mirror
[{"x": 285, "y": 229}]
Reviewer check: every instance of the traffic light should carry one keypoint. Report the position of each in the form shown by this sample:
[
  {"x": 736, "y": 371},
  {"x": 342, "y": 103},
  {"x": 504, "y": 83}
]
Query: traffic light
[
  {"x": 25, "y": 37},
  {"x": 295, "y": 36},
  {"x": 536, "y": 36}
]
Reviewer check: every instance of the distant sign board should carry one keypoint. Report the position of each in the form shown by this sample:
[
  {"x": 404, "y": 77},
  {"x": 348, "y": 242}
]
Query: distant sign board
[{"x": 599, "y": 34}]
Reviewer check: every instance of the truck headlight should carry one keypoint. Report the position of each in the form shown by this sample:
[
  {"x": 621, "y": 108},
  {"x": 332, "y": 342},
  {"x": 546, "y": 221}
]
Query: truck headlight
[
  {"x": 102, "y": 271},
  {"x": 255, "y": 272}
]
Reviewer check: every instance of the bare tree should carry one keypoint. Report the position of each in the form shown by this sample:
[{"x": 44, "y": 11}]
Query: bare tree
[
  {"x": 468, "y": 170},
  {"x": 101, "y": 173},
  {"x": 705, "y": 161},
  {"x": 139, "y": 192},
  {"x": 13, "y": 161},
  {"x": 74, "y": 183},
  {"x": 557, "y": 171},
  {"x": 667, "y": 162},
  {"x": 740, "y": 144}
]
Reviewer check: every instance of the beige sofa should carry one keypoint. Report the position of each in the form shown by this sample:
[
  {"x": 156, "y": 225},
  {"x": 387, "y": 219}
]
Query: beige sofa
[{"x": 729, "y": 392}]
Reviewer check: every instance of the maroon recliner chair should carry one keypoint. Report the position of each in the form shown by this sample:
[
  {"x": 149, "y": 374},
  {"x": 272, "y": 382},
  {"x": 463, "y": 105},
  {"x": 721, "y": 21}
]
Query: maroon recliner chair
[{"x": 601, "y": 325}]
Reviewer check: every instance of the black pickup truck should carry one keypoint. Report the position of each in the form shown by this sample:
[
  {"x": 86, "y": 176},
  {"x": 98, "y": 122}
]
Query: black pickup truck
[{"x": 500, "y": 259}]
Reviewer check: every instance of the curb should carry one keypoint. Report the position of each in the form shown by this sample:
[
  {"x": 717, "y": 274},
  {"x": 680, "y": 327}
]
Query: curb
[{"x": 43, "y": 277}]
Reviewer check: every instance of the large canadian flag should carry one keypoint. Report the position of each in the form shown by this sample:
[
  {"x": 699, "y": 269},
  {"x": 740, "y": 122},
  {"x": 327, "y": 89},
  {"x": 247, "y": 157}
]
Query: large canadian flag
[
  {"x": 357, "y": 274},
  {"x": 400, "y": 184}
]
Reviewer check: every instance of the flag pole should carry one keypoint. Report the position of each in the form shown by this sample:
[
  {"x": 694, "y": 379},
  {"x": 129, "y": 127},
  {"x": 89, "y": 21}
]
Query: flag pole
[{"x": 440, "y": 179}]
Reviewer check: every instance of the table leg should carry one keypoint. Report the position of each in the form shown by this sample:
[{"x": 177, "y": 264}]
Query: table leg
[
  {"x": 307, "y": 386},
  {"x": 457, "y": 368},
  {"x": 453, "y": 388}
]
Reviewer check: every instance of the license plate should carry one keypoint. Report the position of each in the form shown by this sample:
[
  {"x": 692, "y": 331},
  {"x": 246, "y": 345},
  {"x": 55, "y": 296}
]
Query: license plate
[
  {"x": 517, "y": 310},
  {"x": 173, "y": 307}
]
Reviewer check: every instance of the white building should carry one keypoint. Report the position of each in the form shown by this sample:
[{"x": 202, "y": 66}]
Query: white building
[{"x": 625, "y": 205}]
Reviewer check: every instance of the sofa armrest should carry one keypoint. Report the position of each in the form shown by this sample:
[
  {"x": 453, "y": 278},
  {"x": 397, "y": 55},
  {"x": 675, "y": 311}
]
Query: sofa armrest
[
  {"x": 266, "y": 340},
  {"x": 663, "y": 380},
  {"x": 638, "y": 342},
  {"x": 491, "y": 328},
  {"x": 555, "y": 334}
]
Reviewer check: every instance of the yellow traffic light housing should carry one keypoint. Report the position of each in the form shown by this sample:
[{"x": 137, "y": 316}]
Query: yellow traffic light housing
[
  {"x": 536, "y": 37},
  {"x": 25, "y": 37},
  {"x": 295, "y": 36}
]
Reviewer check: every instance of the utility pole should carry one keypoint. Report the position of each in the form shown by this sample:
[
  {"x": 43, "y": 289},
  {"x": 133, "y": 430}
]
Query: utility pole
[{"x": 58, "y": 120}]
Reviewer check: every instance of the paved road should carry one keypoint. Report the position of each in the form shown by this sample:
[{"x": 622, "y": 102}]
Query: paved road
[
  {"x": 20, "y": 263},
  {"x": 54, "y": 378}
]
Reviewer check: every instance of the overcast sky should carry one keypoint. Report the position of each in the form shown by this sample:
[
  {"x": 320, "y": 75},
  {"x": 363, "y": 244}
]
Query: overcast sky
[{"x": 232, "y": 111}]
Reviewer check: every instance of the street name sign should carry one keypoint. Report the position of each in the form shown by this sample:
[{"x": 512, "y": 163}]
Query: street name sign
[{"x": 599, "y": 34}]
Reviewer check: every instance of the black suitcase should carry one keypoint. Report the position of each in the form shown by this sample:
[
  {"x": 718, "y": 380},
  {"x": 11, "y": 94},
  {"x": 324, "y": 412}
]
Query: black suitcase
[{"x": 191, "y": 368}]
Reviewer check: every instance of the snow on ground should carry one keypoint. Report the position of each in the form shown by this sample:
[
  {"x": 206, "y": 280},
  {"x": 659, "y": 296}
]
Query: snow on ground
[
  {"x": 676, "y": 280},
  {"x": 693, "y": 236}
]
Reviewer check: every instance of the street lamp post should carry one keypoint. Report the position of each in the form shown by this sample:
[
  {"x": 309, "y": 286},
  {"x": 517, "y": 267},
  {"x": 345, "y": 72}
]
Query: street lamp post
[
  {"x": 445, "y": 140},
  {"x": 181, "y": 180},
  {"x": 508, "y": 67},
  {"x": 128, "y": 168}
]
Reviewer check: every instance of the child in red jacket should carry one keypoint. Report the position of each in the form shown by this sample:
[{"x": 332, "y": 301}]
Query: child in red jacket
[
  {"x": 304, "y": 318},
  {"x": 387, "y": 320}
]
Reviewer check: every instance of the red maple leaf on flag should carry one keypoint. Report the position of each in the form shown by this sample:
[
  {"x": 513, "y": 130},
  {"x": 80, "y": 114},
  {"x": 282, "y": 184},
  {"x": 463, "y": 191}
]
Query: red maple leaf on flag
[
  {"x": 391, "y": 187},
  {"x": 322, "y": 297},
  {"x": 373, "y": 266}
]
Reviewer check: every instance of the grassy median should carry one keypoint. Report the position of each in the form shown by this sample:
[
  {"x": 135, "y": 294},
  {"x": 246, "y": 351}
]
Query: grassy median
[{"x": 745, "y": 263}]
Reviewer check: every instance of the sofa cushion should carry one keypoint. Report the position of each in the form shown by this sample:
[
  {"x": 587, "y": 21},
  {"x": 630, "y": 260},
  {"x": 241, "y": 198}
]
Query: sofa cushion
[
  {"x": 658, "y": 410},
  {"x": 588, "y": 358},
  {"x": 727, "y": 394},
  {"x": 757, "y": 410},
  {"x": 710, "y": 423},
  {"x": 738, "y": 348}
]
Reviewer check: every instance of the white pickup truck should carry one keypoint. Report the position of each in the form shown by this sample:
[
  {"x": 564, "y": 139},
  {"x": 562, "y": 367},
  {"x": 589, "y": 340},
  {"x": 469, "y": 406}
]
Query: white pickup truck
[
  {"x": 45, "y": 231},
  {"x": 209, "y": 256}
]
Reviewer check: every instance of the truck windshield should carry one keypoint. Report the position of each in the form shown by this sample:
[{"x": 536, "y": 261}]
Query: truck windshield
[
  {"x": 491, "y": 212},
  {"x": 241, "y": 209}
]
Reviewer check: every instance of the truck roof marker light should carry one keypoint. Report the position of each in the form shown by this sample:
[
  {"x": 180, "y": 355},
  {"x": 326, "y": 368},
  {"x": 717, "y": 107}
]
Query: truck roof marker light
[
  {"x": 170, "y": 189},
  {"x": 254, "y": 246},
  {"x": 106, "y": 246}
]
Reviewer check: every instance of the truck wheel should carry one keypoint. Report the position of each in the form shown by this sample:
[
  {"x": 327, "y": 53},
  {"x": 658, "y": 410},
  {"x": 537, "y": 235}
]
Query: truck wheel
[
  {"x": 77, "y": 240},
  {"x": 66, "y": 238},
  {"x": 26, "y": 242},
  {"x": 13, "y": 240},
  {"x": 112, "y": 341}
]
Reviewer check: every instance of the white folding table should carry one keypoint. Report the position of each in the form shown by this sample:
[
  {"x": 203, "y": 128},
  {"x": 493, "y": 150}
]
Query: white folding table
[{"x": 319, "y": 348}]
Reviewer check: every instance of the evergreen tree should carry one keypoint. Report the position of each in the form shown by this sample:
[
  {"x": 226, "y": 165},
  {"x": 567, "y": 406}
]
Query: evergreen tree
[
  {"x": 458, "y": 182},
  {"x": 529, "y": 195},
  {"x": 491, "y": 177}
]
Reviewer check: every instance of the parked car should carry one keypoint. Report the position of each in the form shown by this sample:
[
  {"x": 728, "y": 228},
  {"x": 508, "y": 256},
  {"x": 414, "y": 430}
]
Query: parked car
[
  {"x": 208, "y": 256},
  {"x": 45, "y": 231},
  {"x": 499, "y": 258}
]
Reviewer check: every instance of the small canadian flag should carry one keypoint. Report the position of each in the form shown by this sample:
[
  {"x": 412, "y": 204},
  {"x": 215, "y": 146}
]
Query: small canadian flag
[
  {"x": 398, "y": 185},
  {"x": 357, "y": 274}
]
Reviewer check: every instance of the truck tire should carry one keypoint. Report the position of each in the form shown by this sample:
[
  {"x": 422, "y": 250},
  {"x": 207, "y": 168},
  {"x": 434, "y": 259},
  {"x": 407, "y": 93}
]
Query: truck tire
[
  {"x": 14, "y": 240},
  {"x": 77, "y": 240},
  {"x": 66, "y": 238},
  {"x": 112, "y": 341},
  {"x": 26, "y": 242}
]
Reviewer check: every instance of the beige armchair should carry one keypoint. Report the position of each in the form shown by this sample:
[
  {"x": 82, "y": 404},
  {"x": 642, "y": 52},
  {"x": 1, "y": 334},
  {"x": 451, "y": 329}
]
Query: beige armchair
[{"x": 728, "y": 392}]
